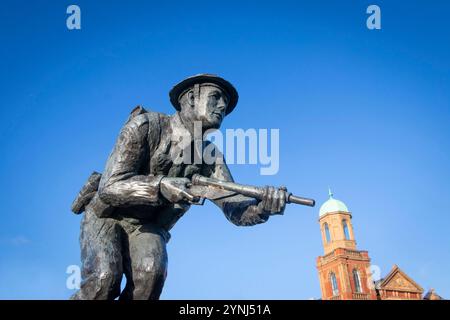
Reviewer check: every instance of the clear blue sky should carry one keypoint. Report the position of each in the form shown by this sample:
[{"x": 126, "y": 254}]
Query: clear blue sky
[{"x": 365, "y": 112}]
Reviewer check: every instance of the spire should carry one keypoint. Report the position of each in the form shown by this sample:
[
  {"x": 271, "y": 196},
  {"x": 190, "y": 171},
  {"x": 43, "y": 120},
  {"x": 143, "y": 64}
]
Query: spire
[{"x": 330, "y": 194}]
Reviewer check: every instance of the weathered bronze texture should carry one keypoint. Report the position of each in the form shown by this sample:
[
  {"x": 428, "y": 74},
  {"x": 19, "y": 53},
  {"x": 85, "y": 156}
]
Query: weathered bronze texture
[{"x": 144, "y": 191}]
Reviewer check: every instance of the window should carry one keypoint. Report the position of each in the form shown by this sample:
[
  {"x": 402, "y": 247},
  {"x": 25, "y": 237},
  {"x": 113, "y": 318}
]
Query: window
[
  {"x": 357, "y": 281},
  {"x": 334, "y": 285},
  {"x": 327, "y": 232},
  {"x": 345, "y": 227}
]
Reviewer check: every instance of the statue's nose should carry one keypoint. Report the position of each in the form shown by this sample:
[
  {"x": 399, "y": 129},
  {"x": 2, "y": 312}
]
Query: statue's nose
[{"x": 222, "y": 106}]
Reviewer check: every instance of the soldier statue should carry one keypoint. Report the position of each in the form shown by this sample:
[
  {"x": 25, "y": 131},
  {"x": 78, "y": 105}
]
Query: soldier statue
[{"x": 131, "y": 207}]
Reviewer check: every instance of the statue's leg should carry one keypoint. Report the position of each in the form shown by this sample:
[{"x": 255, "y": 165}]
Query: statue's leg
[
  {"x": 147, "y": 258},
  {"x": 101, "y": 258}
]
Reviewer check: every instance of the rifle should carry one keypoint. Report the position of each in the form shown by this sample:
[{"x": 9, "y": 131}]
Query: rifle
[{"x": 213, "y": 189}]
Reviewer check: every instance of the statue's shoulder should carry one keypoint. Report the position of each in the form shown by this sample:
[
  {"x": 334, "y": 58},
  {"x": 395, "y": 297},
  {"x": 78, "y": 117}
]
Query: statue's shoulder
[
  {"x": 147, "y": 123},
  {"x": 140, "y": 116}
]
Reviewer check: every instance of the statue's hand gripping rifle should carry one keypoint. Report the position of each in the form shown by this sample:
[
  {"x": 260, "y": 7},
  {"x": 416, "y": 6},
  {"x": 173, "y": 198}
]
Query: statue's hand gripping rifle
[{"x": 213, "y": 189}]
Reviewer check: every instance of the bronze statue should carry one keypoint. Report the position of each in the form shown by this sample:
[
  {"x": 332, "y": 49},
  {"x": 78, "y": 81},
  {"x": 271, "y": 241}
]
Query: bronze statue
[{"x": 131, "y": 207}]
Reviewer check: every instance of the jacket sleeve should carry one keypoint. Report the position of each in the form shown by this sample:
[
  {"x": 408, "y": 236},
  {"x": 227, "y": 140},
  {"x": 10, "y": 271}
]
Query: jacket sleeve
[
  {"x": 238, "y": 209},
  {"x": 122, "y": 183}
]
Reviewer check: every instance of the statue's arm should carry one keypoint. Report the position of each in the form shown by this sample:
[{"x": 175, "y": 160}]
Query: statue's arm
[
  {"x": 122, "y": 184},
  {"x": 238, "y": 209}
]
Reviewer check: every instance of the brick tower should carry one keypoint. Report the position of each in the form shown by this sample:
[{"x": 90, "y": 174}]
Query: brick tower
[{"x": 343, "y": 270}]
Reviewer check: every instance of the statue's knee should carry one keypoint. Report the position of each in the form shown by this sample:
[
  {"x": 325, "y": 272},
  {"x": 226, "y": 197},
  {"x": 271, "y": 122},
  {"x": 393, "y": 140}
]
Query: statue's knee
[
  {"x": 148, "y": 280},
  {"x": 99, "y": 284},
  {"x": 109, "y": 277},
  {"x": 149, "y": 269},
  {"x": 108, "y": 282}
]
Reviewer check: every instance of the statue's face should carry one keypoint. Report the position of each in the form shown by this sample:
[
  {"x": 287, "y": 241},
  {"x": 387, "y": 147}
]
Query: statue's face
[{"x": 210, "y": 107}]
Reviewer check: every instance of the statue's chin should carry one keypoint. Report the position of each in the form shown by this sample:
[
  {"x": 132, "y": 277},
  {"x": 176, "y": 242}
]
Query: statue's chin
[
  {"x": 211, "y": 125},
  {"x": 214, "y": 126}
]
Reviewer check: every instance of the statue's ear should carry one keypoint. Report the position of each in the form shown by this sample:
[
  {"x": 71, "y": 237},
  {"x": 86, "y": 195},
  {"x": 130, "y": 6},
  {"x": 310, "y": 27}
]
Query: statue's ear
[{"x": 191, "y": 98}]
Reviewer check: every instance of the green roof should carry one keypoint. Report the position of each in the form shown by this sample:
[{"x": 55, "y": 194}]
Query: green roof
[{"x": 332, "y": 205}]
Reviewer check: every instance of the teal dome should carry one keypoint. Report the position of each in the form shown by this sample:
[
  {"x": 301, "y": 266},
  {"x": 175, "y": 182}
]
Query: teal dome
[{"x": 332, "y": 205}]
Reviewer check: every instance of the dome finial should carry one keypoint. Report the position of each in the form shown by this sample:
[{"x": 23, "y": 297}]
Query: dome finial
[
  {"x": 332, "y": 205},
  {"x": 330, "y": 194}
]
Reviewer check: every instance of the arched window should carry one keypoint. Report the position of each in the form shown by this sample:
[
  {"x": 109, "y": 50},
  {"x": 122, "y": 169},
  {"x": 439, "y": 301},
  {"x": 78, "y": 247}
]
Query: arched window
[
  {"x": 357, "y": 281},
  {"x": 334, "y": 285},
  {"x": 327, "y": 232},
  {"x": 345, "y": 227}
]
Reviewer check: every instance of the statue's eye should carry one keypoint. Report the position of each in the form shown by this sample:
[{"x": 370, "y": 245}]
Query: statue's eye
[{"x": 216, "y": 96}]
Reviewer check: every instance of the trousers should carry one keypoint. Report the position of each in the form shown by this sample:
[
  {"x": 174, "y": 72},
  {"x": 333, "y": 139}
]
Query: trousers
[{"x": 111, "y": 248}]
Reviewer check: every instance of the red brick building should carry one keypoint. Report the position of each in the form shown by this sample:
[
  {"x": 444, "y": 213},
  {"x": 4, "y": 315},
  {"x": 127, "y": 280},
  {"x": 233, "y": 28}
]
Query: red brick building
[
  {"x": 344, "y": 271},
  {"x": 398, "y": 286}
]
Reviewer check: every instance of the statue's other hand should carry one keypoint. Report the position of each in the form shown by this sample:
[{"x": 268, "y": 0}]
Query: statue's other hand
[
  {"x": 274, "y": 201},
  {"x": 175, "y": 189}
]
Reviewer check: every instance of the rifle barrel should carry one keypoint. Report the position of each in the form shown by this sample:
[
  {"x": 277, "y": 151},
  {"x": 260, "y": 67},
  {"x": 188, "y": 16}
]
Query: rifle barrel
[{"x": 300, "y": 200}]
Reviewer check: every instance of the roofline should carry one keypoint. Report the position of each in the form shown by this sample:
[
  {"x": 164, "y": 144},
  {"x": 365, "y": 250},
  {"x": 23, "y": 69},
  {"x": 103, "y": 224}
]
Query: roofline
[
  {"x": 335, "y": 212},
  {"x": 391, "y": 273}
]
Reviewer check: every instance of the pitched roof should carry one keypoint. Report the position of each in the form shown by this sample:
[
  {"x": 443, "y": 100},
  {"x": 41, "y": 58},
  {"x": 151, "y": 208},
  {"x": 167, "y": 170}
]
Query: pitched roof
[
  {"x": 398, "y": 280},
  {"x": 432, "y": 295}
]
